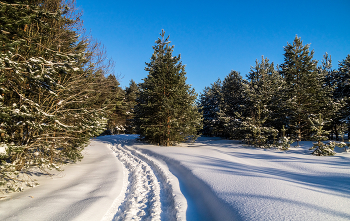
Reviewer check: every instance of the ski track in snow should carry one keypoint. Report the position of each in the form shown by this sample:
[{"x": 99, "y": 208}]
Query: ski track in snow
[{"x": 148, "y": 193}]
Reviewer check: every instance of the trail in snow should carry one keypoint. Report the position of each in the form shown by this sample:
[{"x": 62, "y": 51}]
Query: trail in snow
[
  {"x": 151, "y": 192},
  {"x": 142, "y": 197},
  {"x": 83, "y": 191},
  {"x": 222, "y": 180}
]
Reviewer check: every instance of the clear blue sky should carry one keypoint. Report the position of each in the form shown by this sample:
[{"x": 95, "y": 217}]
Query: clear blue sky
[{"x": 215, "y": 37}]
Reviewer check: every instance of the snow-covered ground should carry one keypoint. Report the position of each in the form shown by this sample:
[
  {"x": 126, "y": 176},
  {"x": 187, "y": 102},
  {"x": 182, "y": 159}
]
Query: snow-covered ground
[
  {"x": 83, "y": 191},
  {"x": 212, "y": 179},
  {"x": 258, "y": 184}
]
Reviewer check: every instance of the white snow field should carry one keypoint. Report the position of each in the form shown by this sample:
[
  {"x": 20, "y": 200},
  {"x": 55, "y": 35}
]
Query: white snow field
[
  {"x": 212, "y": 179},
  {"x": 83, "y": 191}
]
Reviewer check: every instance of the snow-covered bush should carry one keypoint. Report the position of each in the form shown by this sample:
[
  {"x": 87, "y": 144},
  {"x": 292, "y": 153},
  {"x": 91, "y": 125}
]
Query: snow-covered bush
[
  {"x": 323, "y": 149},
  {"x": 50, "y": 90},
  {"x": 284, "y": 142},
  {"x": 320, "y": 148}
]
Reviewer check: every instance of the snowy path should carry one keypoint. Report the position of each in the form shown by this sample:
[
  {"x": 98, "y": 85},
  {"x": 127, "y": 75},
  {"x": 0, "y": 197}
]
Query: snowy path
[
  {"x": 83, "y": 191},
  {"x": 212, "y": 179},
  {"x": 150, "y": 191}
]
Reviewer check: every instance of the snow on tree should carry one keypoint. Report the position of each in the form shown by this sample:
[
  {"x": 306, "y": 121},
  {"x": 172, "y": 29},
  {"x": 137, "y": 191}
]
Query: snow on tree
[
  {"x": 48, "y": 81},
  {"x": 304, "y": 92},
  {"x": 210, "y": 102},
  {"x": 320, "y": 148},
  {"x": 342, "y": 90},
  {"x": 261, "y": 99},
  {"x": 166, "y": 113},
  {"x": 233, "y": 104},
  {"x": 130, "y": 99}
]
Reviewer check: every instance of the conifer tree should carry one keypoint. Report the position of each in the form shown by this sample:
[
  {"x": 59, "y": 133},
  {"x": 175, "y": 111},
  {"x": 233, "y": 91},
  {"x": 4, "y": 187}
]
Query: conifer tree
[
  {"x": 130, "y": 99},
  {"x": 233, "y": 105},
  {"x": 335, "y": 124},
  {"x": 166, "y": 112},
  {"x": 49, "y": 104},
  {"x": 342, "y": 90},
  {"x": 304, "y": 92},
  {"x": 210, "y": 104},
  {"x": 262, "y": 97},
  {"x": 113, "y": 93},
  {"x": 320, "y": 148}
]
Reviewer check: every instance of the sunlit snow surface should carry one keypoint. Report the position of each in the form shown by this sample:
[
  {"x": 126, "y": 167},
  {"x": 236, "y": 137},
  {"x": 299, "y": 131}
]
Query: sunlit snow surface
[
  {"x": 232, "y": 181},
  {"x": 83, "y": 191},
  {"x": 226, "y": 180},
  {"x": 121, "y": 178}
]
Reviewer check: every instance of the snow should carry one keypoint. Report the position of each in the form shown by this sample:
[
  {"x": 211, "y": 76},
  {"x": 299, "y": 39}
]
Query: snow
[
  {"x": 83, "y": 191},
  {"x": 152, "y": 192},
  {"x": 3, "y": 149},
  {"x": 259, "y": 184},
  {"x": 212, "y": 179}
]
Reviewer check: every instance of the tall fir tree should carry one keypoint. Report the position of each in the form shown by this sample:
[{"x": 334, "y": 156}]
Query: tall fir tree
[
  {"x": 49, "y": 104},
  {"x": 210, "y": 104},
  {"x": 130, "y": 99},
  {"x": 166, "y": 113},
  {"x": 233, "y": 105},
  {"x": 342, "y": 90},
  {"x": 116, "y": 116},
  {"x": 262, "y": 98},
  {"x": 334, "y": 124},
  {"x": 304, "y": 92}
]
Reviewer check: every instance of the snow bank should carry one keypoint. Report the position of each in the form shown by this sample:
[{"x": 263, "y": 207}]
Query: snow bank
[
  {"x": 3, "y": 149},
  {"x": 122, "y": 179},
  {"x": 257, "y": 184},
  {"x": 83, "y": 191}
]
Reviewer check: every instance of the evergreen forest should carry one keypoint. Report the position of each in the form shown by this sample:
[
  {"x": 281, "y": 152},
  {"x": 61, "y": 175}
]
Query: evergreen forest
[
  {"x": 58, "y": 90},
  {"x": 276, "y": 105}
]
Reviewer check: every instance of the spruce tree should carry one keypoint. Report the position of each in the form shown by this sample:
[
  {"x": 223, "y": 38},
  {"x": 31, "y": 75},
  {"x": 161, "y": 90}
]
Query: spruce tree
[
  {"x": 234, "y": 104},
  {"x": 111, "y": 92},
  {"x": 166, "y": 112},
  {"x": 304, "y": 92},
  {"x": 130, "y": 100},
  {"x": 262, "y": 98},
  {"x": 342, "y": 90},
  {"x": 210, "y": 104},
  {"x": 49, "y": 104}
]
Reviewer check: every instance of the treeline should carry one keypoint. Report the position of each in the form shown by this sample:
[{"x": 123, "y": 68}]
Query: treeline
[
  {"x": 57, "y": 91},
  {"x": 301, "y": 99},
  {"x": 56, "y": 88}
]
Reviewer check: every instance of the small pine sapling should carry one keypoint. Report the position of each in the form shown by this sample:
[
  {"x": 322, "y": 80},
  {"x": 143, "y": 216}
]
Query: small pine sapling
[
  {"x": 257, "y": 134},
  {"x": 320, "y": 148},
  {"x": 284, "y": 141},
  {"x": 342, "y": 144}
]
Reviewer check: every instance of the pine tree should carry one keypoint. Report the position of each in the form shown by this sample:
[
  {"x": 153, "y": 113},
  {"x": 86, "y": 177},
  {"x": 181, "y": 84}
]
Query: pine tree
[
  {"x": 335, "y": 124},
  {"x": 234, "y": 104},
  {"x": 111, "y": 92},
  {"x": 304, "y": 91},
  {"x": 320, "y": 148},
  {"x": 210, "y": 104},
  {"x": 262, "y": 93},
  {"x": 130, "y": 99},
  {"x": 48, "y": 77},
  {"x": 166, "y": 112},
  {"x": 342, "y": 90}
]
